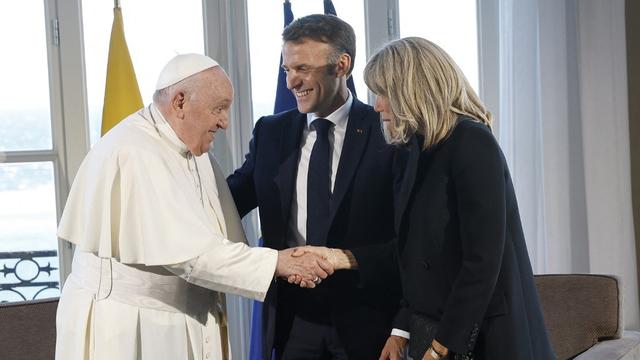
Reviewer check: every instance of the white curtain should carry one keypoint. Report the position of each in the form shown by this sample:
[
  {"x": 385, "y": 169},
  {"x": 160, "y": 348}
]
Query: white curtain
[
  {"x": 554, "y": 75},
  {"x": 226, "y": 40}
]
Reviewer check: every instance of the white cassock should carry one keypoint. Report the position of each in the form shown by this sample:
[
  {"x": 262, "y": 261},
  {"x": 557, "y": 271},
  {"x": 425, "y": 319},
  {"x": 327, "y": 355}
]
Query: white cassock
[{"x": 158, "y": 240}]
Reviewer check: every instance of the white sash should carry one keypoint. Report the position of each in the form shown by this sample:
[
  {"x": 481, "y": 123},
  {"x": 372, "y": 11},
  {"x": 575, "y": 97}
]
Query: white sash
[{"x": 109, "y": 279}]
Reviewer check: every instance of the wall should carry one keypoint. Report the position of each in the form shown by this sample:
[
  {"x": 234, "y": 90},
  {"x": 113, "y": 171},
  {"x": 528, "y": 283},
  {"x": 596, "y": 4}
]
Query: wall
[{"x": 633, "y": 73}]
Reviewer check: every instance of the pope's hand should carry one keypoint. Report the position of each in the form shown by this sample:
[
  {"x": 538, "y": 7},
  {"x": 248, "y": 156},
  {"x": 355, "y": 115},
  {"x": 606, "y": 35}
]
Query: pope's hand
[{"x": 306, "y": 270}]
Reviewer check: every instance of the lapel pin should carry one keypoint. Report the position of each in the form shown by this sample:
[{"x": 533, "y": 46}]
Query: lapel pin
[{"x": 359, "y": 131}]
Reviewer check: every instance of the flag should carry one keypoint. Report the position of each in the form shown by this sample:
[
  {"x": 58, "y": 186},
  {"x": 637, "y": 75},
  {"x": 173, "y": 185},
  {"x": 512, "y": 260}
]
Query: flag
[
  {"x": 329, "y": 9},
  {"x": 284, "y": 97},
  {"x": 255, "y": 343},
  {"x": 121, "y": 92}
]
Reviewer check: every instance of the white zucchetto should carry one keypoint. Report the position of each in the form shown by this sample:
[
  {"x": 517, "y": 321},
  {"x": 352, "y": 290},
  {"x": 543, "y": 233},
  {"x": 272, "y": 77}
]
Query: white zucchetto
[{"x": 181, "y": 67}]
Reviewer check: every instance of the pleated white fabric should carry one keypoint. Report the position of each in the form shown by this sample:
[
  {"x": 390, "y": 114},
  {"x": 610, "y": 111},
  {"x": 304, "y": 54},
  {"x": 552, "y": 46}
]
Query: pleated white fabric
[{"x": 114, "y": 311}]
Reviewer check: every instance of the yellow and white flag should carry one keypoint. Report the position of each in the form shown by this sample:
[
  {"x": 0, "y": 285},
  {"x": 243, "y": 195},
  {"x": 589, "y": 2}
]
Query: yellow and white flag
[{"x": 121, "y": 93}]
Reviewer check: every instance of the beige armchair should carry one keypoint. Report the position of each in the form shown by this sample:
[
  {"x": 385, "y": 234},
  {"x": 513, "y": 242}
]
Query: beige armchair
[
  {"x": 583, "y": 314},
  {"x": 28, "y": 329}
]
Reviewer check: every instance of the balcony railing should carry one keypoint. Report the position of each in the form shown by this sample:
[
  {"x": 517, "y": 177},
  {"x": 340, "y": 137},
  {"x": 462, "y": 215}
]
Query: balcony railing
[{"x": 28, "y": 275}]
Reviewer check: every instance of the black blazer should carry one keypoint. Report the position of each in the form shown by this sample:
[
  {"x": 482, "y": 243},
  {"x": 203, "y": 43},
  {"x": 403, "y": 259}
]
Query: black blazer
[
  {"x": 364, "y": 302},
  {"x": 463, "y": 253}
]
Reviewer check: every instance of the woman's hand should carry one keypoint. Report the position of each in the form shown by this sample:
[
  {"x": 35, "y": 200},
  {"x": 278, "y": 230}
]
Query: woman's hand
[
  {"x": 340, "y": 259},
  {"x": 323, "y": 252},
  {"x": 436, "y": 351},
  {"x": 394, "y": 348}
]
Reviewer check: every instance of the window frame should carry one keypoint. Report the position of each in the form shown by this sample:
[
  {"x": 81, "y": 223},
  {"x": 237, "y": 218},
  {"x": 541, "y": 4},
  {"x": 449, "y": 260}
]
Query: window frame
[{"x": 69, "y": 114}]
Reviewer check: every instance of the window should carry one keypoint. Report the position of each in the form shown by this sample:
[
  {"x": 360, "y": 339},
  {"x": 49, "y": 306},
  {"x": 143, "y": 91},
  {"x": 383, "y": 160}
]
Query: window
[
  {"x": 449, "y": 24},
  {"x": 25, "y": 123},
  {"x": 265, "y": 29},
  {"x": 28, "y": 242},
  {"x": 153, "y": 37}
]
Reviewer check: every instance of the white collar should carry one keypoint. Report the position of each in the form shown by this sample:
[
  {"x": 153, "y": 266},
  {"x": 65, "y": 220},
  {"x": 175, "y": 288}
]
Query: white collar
[{"x": 166, "y": 131}]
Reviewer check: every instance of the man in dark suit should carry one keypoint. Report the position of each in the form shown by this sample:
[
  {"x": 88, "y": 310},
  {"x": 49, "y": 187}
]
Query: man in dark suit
[{"x": 321, "y": 175}]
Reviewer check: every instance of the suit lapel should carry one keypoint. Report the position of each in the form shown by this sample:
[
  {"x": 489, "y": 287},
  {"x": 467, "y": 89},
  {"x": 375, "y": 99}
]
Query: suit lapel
[
  {"x": 355, "y": 141},
  {"x": 288, "y": 162},
  {"x": 404, "y": 185}
]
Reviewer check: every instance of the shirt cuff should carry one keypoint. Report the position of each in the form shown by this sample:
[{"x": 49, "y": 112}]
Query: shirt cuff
[{"x": 401, "y": 333}]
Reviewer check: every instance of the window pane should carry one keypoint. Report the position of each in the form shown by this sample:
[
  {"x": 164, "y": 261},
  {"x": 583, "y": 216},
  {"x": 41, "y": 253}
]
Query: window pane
[
  {"x": 25, "y": 120},
  {"x": 153, "y": 37},
  {"x": 266, "y": 22},
  {"x": 450, "y": 24},
  {"x": 28, "y": 224}
]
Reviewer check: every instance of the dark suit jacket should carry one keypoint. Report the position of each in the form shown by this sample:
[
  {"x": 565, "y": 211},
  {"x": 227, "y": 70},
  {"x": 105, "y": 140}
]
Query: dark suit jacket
[
  {"x": 362, "y": 303},
  {"x": 463, "y": 253}
]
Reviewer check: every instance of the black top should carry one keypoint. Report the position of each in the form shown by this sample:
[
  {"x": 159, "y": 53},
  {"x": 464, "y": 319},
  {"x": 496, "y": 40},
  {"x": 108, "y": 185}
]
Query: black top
[{"x": 463, "y": 253}]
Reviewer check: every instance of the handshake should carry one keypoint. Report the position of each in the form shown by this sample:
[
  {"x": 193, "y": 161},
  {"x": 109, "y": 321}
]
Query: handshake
[{"x": 307, "y": 266}]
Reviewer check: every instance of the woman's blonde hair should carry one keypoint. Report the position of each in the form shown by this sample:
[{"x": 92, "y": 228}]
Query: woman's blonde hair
[{"x": 426, "y": 90}]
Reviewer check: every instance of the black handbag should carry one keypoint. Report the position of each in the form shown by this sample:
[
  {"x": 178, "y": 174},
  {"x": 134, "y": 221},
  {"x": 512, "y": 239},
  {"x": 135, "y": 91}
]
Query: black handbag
[{"x": 423, "y": 329}]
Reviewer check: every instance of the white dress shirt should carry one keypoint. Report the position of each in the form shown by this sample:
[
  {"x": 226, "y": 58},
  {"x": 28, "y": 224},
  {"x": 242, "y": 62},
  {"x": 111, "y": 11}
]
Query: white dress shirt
[
  {"x": 339, "y": 118},
  {"x": 298, "y": 222}
]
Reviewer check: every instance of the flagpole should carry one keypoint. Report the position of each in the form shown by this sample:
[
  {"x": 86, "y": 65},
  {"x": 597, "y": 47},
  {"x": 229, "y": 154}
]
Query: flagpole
[{"x": 116, "y": 4}]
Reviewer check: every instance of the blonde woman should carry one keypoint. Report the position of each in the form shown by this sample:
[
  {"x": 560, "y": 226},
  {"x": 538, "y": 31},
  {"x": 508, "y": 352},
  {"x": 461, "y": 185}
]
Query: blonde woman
[{"x": 467, "y": 278}]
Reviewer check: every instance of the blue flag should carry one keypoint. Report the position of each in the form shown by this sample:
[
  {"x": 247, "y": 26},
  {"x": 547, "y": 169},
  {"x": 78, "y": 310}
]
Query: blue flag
[
  {"x": 284, "y": 98},
  {"x": 255, "y": 345},
  {"x": 329, "y": 9}
]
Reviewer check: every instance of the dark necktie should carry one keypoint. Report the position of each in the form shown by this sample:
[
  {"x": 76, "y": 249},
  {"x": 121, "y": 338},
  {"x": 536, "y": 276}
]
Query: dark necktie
[{"x": 319, "y": 185}]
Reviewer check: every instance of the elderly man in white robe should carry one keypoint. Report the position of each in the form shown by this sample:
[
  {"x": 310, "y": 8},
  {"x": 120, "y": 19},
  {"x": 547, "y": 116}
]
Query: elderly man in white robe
[{"x": 158, "y": 238}]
